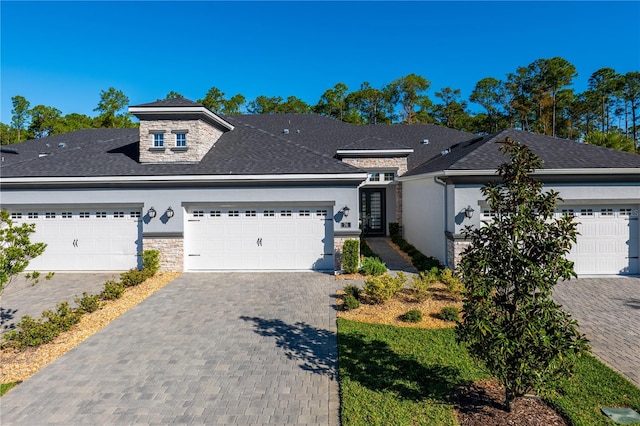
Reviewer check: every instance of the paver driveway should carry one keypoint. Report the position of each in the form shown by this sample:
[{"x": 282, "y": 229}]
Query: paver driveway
[
  {"x": 608, "y": 313},
  {"x": 206, "y": 349}
]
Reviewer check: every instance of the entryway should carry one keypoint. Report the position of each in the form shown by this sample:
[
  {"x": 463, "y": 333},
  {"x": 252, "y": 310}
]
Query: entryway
[{"x": 372, "y": 211}]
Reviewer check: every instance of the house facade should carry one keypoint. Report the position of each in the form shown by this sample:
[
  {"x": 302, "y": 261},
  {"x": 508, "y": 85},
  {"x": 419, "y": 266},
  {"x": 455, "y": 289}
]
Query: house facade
[{"x": 283, "y": 192}]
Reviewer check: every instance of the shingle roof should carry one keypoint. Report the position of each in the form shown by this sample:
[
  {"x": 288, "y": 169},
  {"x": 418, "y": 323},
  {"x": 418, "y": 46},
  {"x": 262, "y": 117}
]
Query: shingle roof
[
  {"x": 113, "y": 152},
  {"x": 292, "y": 144},
  {"x": 556, "y": 154}
]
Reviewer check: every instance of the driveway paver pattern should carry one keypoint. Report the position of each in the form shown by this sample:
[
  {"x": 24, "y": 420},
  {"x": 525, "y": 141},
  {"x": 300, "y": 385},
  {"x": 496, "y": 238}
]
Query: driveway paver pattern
[
  {"x": 209, "y": 348},
  {"x": 608, "y": 313}
]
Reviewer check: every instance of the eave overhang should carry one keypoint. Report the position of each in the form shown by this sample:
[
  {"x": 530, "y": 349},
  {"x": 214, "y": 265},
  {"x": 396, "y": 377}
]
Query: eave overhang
[
  {"x": 184, "y": 112},
  {"x": 41, "y": 182},
  {"x": 373, "y": 153},
  {"x": 595, "y": 172}
]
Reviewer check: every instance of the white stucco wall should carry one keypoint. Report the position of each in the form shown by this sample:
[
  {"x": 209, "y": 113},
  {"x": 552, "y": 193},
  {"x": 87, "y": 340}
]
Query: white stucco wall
[{"x": 423, "y": 216}]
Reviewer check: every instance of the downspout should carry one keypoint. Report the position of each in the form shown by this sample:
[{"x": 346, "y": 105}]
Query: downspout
[{"x": 438, "y": 180}]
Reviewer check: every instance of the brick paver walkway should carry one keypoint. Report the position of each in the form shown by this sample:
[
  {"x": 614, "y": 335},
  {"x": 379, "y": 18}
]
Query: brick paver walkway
[
  {"x": 608, "y": 313},
  {"x": 206, "y": 349}
]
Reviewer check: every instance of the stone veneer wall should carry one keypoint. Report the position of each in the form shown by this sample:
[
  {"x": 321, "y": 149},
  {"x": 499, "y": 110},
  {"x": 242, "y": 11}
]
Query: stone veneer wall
[
  {"x": 456, "y": 244},
  {"x": 200, "y": 138},
  {"x": 399, "y": 163},
  {"x": 171, "y": 252}
]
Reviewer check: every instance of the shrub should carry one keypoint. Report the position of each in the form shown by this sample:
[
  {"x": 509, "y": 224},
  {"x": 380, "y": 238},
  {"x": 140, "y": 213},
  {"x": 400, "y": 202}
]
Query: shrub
[
  {"x": 32, "y": 332},
  {"x": 373, "y": 266},
  {"x": 424, "y": 263},
  {"x": 453, "y": 283},
  {"x": 413, "y": 315},
  {"x": 350, "y": 302},
  {"x": 352, "y": 290},
  {"x": 133, "y": 277},
  {"x": 420, "y": 284},
  {"x": 382, "y": 288},
  {"x": 350, "y": 256},
  {"x": 88, "y": 302},
  {"x": 394, "y": 230},
  {"x": 64, "y": 317},
  {"x": 112, "y": 290},
  {"x": 450, "y": 313},
  {"x": 151, "y": 262}
]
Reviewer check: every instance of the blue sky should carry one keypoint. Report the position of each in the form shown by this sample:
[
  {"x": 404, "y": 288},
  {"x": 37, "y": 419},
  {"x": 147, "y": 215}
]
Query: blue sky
[{"x": 62, "y": 54}]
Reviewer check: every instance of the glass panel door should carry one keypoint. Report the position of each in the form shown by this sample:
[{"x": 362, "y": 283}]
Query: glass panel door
[{"x": 372, "y": 211}]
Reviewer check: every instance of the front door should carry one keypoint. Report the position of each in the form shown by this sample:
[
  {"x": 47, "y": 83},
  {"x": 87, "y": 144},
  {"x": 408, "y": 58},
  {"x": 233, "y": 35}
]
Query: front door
[{"x": 372, "y": 211}]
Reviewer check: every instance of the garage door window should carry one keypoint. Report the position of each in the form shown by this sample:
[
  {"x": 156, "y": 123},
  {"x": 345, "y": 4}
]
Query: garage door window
[
  {"x": 250, "y": 213},
  {"x": 215, "y": 213},
  {"x": 234, "y": 213},
  {"x": 269, "y": 213},
  {"x": 285, "y": 213},
  {"x": 305, "y": 213}
]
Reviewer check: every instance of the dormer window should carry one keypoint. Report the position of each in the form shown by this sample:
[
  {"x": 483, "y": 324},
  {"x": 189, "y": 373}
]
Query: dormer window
[
  {"x": 158, "y": 140},
  {"x": 181, "y": 140}
]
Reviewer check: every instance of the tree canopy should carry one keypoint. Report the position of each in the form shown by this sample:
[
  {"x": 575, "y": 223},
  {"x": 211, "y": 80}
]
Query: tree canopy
[{"x": 537, "y": 97}]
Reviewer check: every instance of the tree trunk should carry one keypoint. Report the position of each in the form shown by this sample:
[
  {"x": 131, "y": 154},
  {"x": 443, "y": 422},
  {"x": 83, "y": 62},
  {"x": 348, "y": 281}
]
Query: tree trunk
[{"x": 508, "y": 399}]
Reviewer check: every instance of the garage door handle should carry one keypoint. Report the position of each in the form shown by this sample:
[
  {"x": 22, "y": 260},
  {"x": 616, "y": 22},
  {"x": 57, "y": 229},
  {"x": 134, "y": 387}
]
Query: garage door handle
[
  {"x": 75, "y": 243},
  {"x": 259, "y": 242}
]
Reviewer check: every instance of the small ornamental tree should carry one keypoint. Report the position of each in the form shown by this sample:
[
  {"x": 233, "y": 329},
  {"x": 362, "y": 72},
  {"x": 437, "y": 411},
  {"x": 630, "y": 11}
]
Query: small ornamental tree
[
  {"x": 509, "y": 320},
  {"x": 16, "y": 250}
]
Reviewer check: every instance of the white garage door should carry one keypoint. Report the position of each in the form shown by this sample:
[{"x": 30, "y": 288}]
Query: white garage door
[
  {"x": 608, "y": 242},
  {"x": 270, "y": 238},
  {"x": 85, "y": 240}
]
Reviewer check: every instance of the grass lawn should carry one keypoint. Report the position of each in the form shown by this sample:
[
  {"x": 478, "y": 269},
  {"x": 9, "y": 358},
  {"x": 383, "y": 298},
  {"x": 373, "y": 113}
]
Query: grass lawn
[
  {"x": 6, "y": 387},
  {"x": 407, "y": 376}
]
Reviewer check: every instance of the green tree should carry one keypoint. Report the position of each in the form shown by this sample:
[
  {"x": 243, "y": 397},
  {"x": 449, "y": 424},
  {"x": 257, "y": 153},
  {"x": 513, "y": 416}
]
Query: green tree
[
  {"x": 611, "y": 140},
  {"x": 452, "y": 111},
  {"x": 173, "y": 95},
  {"x": 510, "y": 321},
  {"x": 45, "y": 121},
  {"x": 16, "y": 250},
  {"x": 333, "y": 102},
  {"x": 111, "y": 109},
  {"x": 604, "y": 83},
  {"x": 410, "y": 93},
  {"x": 631, "y": 95},
  {"x": 372, "y": 104},
  {"x": 265, "y": 105},
  {"x": 490, "y": 93},
  {"x": 558, "y": 73},
  {"x": 215, "y": 101},
  {"x": 19, "y": 113}
]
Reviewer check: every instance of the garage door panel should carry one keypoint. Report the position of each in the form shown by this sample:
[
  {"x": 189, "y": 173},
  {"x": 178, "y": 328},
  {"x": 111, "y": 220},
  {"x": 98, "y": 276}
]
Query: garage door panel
[
  {"x": 608, "y": 240},
  {"x": 278, "y": 238},
  {"x": 83, "y": 240}
]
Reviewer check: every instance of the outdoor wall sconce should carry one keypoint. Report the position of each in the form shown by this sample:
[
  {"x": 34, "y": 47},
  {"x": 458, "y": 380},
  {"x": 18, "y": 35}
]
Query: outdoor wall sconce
[
  {"x": 169, "y": 212},
  {"x": 152, "y": 212},
  {"x": 468, "y": 212},
  {"x": 345, "y": 211}
]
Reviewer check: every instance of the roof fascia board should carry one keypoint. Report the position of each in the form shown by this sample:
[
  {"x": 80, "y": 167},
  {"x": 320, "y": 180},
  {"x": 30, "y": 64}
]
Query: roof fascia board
[
  {"x": 150, "y": 110},
  {"x": 539, "y": 172},
  {"x": 374, "y": 152},
  {"x": 187, "y": 178}
]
